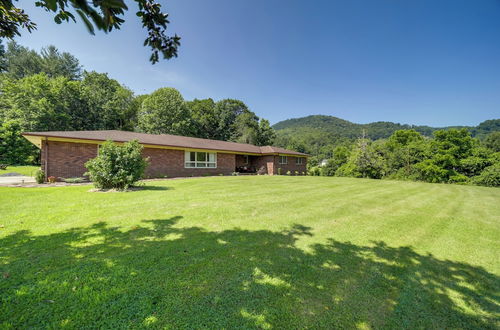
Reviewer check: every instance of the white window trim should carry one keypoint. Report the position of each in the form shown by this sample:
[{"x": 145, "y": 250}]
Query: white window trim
[
  {"x": 247, "y": 159},
  {"x": 299, "y": 160},
  {"x": 187, "y": 160},
  {"x": 283, "y": 157}
]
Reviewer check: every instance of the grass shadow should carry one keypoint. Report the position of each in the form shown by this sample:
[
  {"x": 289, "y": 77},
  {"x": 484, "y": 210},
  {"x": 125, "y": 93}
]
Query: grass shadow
[
  {"x": 153, "y": 188},
  {"x": 159, "y": 275}
]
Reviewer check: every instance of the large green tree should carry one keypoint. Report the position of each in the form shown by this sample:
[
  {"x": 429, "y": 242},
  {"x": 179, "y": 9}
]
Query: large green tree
[
  {"x": 204, "y": 118},
  {"x": 227, "y": 111},
  {"x": 492, "y": 141},
  {"x": 165, "y": 112},
  {"x": 38, "y": 102},
  {"x": 245, "y": 128},
  {"x": 265, "y": 133},
  {"x": 402, "y": 151},
  {"x": 14, "y": 148},
  {"x": 109, "y": 105}
]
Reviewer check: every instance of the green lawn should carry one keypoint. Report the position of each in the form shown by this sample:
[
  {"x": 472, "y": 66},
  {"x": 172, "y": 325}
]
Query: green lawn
[
  {"x": 251, "y": 252},
  {"x": 24, "y": 170}
]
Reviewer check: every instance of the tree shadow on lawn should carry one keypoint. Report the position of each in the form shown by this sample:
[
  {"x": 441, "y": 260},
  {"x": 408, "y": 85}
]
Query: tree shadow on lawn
[
  {"x": 151, "y": 187},
  {"x": 158, "y": 275}
]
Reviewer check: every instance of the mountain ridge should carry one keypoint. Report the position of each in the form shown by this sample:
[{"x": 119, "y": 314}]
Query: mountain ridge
[{"x": 374, "y": 130}]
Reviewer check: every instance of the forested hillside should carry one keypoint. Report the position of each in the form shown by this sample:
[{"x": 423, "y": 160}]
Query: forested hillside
[{"x": 319, "y": 134}]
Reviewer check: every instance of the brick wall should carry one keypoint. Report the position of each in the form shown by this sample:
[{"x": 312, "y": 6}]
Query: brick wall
[
  {"x": 291, "y": 166},
  {"x": 263, "y": 164},
  {"x": 166, "y": 162},
  {"x": 66, "y": 160}
]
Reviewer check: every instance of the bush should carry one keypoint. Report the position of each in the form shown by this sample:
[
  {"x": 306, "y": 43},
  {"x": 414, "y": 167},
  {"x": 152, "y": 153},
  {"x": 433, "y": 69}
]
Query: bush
[
  {"x": 40, "y": 176},
  {"x": 489, "y": 177},
  {"x": 288, "y": 173},
  {"x": 473, "y": 165},
  {"x": 296, "y": 173},
  {"x": 458, "y": 178},
  {"x": 314, "y": 171},
  {"x": 279, "y": 170},
  {"x": 116, "y": 166},
  {"x": 348, "y": 169},
  {"x": 430, "y": 172}
]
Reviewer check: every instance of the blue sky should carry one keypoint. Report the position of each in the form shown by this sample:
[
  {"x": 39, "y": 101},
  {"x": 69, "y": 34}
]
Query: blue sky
[{"x": 430, "y": 62}]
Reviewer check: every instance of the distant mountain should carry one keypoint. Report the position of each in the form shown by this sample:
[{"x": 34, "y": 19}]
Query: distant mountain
[{"x": 340, "y": 128}]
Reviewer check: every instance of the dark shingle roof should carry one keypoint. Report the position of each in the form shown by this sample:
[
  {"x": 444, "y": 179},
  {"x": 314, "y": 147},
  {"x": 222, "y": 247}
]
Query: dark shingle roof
[{"x": 166, "y": 140}]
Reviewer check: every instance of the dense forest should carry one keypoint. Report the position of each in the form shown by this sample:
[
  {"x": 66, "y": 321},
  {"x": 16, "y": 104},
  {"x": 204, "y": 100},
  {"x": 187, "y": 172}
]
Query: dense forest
[{"x": 49, "y": 90}]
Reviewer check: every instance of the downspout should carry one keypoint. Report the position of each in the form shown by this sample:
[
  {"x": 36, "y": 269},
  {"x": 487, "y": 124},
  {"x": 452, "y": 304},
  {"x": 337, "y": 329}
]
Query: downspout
[{"x": 46, "y": 158}]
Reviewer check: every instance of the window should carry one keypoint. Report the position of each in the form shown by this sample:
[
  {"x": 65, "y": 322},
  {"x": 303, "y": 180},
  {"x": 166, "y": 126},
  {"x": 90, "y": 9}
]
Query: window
[
  {"x": 194, "y": 159},
  {"x": 245, "y": 158},
  {"x": 283, "y": 160},
  {"x": 299, "y": 160}
]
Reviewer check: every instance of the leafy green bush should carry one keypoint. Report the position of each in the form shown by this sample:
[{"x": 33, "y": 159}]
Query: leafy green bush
[
  {"x": 489, "y": 177},
  {"x": 288, "y": 173},
  {"x": 117, "y": 166},
  {"x": 340, "y": 157},
  {"x": 40, "y": 176},
  {"x": 458, "y": 178},
  {"x": 473, "y": 165},
  {"x": 428, "y": 171},
  {"x": 314, "y": 171},
  {"x": 348, "y": 169}
]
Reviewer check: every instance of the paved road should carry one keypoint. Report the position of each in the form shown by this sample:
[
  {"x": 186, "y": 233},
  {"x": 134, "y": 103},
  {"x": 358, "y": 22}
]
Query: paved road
[{"x": 8, "y": 180}]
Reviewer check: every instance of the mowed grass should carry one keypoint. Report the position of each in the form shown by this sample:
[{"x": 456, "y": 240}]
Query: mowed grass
[
  {"x": 23, "y": 170},
  {"x": 251, "y": 252}
]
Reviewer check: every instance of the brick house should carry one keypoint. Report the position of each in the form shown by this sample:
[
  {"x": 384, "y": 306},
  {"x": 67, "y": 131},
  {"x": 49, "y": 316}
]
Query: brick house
[{"x": 63, "y": 154}]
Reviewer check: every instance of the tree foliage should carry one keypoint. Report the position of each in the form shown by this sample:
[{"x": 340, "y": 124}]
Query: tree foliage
[
  {"x": 164, "y": 112},
  {"x": 41, "y": 103},
  {"x": 451, "y": 156},
  {"x": 101, "y": 15},
  {"x": 48, "y": 91},
  {"x": 15, "y": 149},
  {"x": 492, "y": 141},
  {"x": 19, "y": 62}
]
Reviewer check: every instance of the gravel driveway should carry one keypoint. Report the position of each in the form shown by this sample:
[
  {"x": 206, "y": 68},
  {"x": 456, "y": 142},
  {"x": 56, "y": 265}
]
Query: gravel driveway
[{"x": 9, "y": 180}]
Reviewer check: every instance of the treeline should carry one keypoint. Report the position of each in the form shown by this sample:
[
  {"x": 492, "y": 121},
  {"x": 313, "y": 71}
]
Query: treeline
[
  {"x": 318, "y": 135},
  {"x": 49, "y": 91},
  {"x": 450, "y": 156}
]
